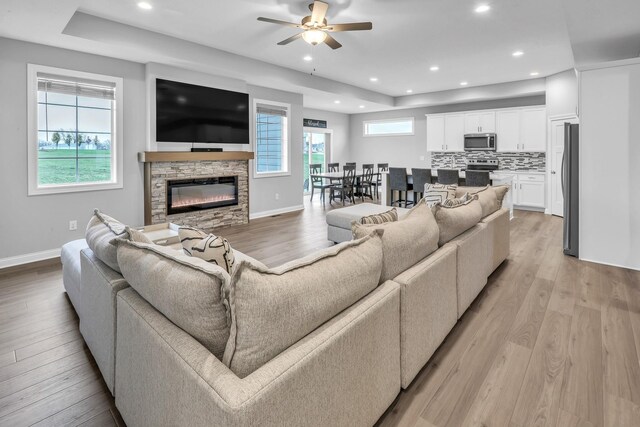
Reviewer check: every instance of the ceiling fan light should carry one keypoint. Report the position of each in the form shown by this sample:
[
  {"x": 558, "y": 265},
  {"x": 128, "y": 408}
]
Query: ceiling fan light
[{"x": 313, "y": 37}]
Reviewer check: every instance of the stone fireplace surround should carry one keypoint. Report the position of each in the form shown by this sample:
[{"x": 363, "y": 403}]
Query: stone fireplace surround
[{"x": 161, "y": 166}]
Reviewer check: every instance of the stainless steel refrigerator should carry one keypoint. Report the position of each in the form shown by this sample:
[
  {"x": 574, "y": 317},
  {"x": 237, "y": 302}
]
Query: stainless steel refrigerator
[{"x": 570, "y": 181}]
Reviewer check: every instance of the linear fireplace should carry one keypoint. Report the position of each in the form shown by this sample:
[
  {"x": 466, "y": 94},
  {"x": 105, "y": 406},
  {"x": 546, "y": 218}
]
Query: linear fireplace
[{"x": 188, "y": 195}]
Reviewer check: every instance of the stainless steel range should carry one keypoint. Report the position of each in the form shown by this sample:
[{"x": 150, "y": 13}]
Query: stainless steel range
[{"x": 483, "y": 164}]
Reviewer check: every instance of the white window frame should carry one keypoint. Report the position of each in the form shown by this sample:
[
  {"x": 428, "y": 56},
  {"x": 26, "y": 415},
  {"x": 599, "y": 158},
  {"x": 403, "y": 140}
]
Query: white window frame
[
  {"x": 286, "y": 146},
  {"x": 116, "y": 182},
  {"x": 398, "y": 119}
]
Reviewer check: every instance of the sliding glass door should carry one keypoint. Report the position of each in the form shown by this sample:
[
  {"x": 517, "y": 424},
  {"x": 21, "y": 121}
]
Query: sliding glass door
[{"x": 314, "y": 148}]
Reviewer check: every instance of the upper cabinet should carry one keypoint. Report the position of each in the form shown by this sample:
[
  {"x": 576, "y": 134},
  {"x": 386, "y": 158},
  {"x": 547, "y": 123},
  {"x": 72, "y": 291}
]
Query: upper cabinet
[
  {"x": 517, "y": 129},
  {"x": 480, "y": 122}
]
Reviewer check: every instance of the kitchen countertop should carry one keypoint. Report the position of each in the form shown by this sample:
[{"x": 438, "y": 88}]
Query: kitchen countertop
[{"x": 527, "y": 171}]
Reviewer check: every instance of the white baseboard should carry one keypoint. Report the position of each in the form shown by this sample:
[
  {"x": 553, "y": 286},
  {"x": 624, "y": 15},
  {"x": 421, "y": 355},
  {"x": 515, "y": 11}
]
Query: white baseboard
[
  {"x": 629, "y": 267},
  {"x": 273, "y": 212},
  {"x": 28, "y": 258}
]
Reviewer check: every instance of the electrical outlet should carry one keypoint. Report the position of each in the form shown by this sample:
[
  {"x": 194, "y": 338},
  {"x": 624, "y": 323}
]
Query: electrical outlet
[
  {"x": 73, "y": 225},
  {"x": 277, "y": 196}
]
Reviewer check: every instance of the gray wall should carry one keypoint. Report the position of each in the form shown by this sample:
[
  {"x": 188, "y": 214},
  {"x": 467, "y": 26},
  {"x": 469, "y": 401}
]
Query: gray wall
[
  {"x": 339, "y": 124},
  {"x": 407, "y": 151},
  {"x": 40, "y": 223},
  {"x": 562, "y": 94}
]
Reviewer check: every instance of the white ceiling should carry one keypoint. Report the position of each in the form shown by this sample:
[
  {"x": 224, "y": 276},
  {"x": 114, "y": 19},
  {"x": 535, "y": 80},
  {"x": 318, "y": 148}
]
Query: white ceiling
[{"x": 408, "y": 37}]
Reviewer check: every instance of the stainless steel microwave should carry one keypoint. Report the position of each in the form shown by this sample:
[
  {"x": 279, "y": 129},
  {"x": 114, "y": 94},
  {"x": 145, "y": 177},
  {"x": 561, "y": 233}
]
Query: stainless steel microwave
[{"x": 480, "y": 142}]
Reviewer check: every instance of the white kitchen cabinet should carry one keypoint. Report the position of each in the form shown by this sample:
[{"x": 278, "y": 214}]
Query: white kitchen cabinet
[
  {"x": 435, "y": 133},
  {"x": 529, "y": 190},
  {"x": 508, "y": 130},
  {"x": 454, "y": 132},
  {"x": 480, "y": 122},
  {"x": 533, "y": 129}
]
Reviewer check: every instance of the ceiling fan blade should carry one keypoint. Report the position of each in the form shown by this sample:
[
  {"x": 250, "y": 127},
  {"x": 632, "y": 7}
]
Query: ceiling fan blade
[
  {"x": 290, "y": 39},
  {"x": 354, "y": 26},
  {"x": 277, "y": 21},
  {"x": 319, "y": 11},
  {"x": 331, "y": 42}
]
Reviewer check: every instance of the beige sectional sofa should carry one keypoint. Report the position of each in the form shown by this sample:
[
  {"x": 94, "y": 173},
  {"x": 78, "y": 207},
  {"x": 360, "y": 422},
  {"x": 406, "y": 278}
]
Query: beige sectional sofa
[{"x": 346, "y": 368}]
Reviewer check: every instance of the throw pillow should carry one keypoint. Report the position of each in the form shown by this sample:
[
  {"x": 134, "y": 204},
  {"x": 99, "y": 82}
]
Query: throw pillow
[
  {"x": 453, "y": 221},
  {"x": 186, "y": 290},
  {"x": 452, "y": 203},
  {"x": 501, "y": 191},
  {"x": 211, "y": 248},
  {"x": 381, "y": 218},
  {"x": 438, "y": 193},
  {"x": 272, "y": 309},
  {"x": 404, "y": 242},
  {"x": 102, "y": 230}
]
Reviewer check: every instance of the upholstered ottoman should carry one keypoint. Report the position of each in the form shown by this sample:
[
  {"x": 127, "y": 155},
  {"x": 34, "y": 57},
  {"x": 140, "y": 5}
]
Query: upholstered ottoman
[{"x": 339, "y": 220}]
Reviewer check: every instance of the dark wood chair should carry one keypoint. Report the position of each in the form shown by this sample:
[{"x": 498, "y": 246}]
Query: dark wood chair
[
  {"x": 382, "y": 167},
  {"x": 351, "y": 164},
  {"x": 477, "y": 178},
  {"x": 398, "y": 182},
  {"x": 448, "y": 176},
  {"x": 421, "y": 177},
  {"x": 346, "y": 187},
  {"x": 366, "y": 184},
  {"x": 317, "y": 182},
  {"x": 333, "y": 167}
]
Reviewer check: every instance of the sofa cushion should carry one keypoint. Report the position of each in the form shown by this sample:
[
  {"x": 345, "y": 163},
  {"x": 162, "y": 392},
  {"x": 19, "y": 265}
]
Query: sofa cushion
[
  {"x": 206, "y": 246},
  {"x": 404, "y": 242},
  {"x": 343, "y": 217},
  {"x": 272, "y": 309},
  {"x": 71, "y": 278},
  {"x": 101, "y": 231},
  {"x": 462, "y": 200},
  {"x": 501, "y": 191},
  {"x": 456, "y": 220},
  {"x": 487, "y": 197},
  {"x": 438, "y": 193},
  {"x": 187, "y": 290},
  {"x": 388, "y": 216}
]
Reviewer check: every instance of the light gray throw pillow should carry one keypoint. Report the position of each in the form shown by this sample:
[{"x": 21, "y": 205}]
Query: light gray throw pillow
[
  {"x": 404, "y": 242},
  {"x": 272, "y": 309},
  {"x": 187, "y": 290}
]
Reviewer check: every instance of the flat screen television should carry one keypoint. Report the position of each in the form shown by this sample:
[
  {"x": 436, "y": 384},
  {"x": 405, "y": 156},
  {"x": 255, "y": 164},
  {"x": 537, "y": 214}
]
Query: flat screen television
[{"x": 192, "y": 113}]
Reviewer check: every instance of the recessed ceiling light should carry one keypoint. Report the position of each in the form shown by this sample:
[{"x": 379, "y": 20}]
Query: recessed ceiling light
[
  {"x": 409, "y": 90},
  {"x": 373, "y": 79},
  {"x": 337, "y": 101},
  {"x": 483, "y": 8},
  {"x": 534, "y": 73},
  {"x": 434, "y": 68},
  {"x": 518, "y": 53},
  {"x": 145, "y": 5},
  {"x": 308, "y": 58},
  {"x": 464, "y": 83},
  {"x": 361, "y": 106}
]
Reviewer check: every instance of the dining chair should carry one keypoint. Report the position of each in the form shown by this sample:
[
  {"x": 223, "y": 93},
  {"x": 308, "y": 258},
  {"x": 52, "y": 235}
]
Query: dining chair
[
  {"x": 421, "y": 177},
  {"x": 333, "y": 167},
  {"x": 398, "y": 182},
  {"x": 318, "y": 182},
  {"x": 448, "y": 176},
  {"x": 366, "y": 184},
  {"x": 351, "y": 164},
  {"x": 477, "y": 178},
  {"x": 382, "y": 167},
  {"x": 346, "y": 186}
]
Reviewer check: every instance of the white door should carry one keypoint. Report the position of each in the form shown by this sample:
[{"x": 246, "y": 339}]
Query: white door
[
  {"x": 435, "y": 133},
  {"x": 488, "y": 122},
  {"x": 533, "y": 129},
  {"x": 555, "y": 163},
  {"x": 454, "y": 132},
  {"x": 508, "y": 130}
]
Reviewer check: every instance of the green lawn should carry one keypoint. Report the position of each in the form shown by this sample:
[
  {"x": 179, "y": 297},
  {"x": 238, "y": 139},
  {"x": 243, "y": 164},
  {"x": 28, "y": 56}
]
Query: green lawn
[
  {"x": 59, "y": 166},
  {"x": 316, "y": 158}
]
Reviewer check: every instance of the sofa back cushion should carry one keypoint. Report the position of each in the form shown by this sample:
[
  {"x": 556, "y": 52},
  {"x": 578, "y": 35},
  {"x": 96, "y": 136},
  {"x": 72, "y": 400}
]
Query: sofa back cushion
[
  {"x": 102, "y": 230},
  {"x": 454, "y": 221},
  {"x": 187, "y": 290},
  {"x": 404, "y": 242},
  {"x": 272, "y": 309},
  {"x": 486, "y": 196}
]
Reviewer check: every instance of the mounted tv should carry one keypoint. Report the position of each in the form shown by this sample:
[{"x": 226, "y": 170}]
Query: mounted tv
[{"x": 191, "y": 113}]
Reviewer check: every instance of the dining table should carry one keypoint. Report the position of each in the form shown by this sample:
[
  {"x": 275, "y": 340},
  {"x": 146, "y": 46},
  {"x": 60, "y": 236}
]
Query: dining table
[{"x": 337, "y": 176}]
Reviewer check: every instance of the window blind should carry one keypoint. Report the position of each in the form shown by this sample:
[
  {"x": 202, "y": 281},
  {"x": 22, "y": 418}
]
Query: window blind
[
  {"x": 271, "y": 110},
  {"x": 86, "y": 88}
]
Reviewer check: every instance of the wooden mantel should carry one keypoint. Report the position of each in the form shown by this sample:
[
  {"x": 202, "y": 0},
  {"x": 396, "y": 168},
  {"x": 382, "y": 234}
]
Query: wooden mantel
[{"x": 186, "y": 156}]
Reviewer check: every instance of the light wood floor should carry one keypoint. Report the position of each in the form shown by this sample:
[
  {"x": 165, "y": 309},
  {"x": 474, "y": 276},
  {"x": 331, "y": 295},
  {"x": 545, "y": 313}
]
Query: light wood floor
[{"x": 550, "y": 341}]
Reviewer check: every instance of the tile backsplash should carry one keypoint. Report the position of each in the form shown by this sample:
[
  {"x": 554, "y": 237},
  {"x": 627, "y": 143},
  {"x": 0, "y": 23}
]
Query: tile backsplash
[{"x": 508, "y": 161}]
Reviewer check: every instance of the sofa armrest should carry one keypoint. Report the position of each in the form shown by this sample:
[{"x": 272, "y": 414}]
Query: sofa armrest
[{"x": 347, "y": 372}]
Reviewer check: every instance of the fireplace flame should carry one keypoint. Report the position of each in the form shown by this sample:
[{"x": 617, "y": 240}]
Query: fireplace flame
[{"x": 203, "y": 200}]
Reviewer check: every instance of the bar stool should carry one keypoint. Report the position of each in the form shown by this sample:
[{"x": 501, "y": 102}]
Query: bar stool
[
  {"x": 421, "y": 177},
  {"x": 477, "y": 178},
  {"x": 448, "y": 176},
  {"x": 398, "y": 182}
]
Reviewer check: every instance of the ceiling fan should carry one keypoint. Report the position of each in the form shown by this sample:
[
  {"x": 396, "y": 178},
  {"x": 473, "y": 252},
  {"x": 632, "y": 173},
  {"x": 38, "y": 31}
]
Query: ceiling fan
[{"x": 315, "y": 27}]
